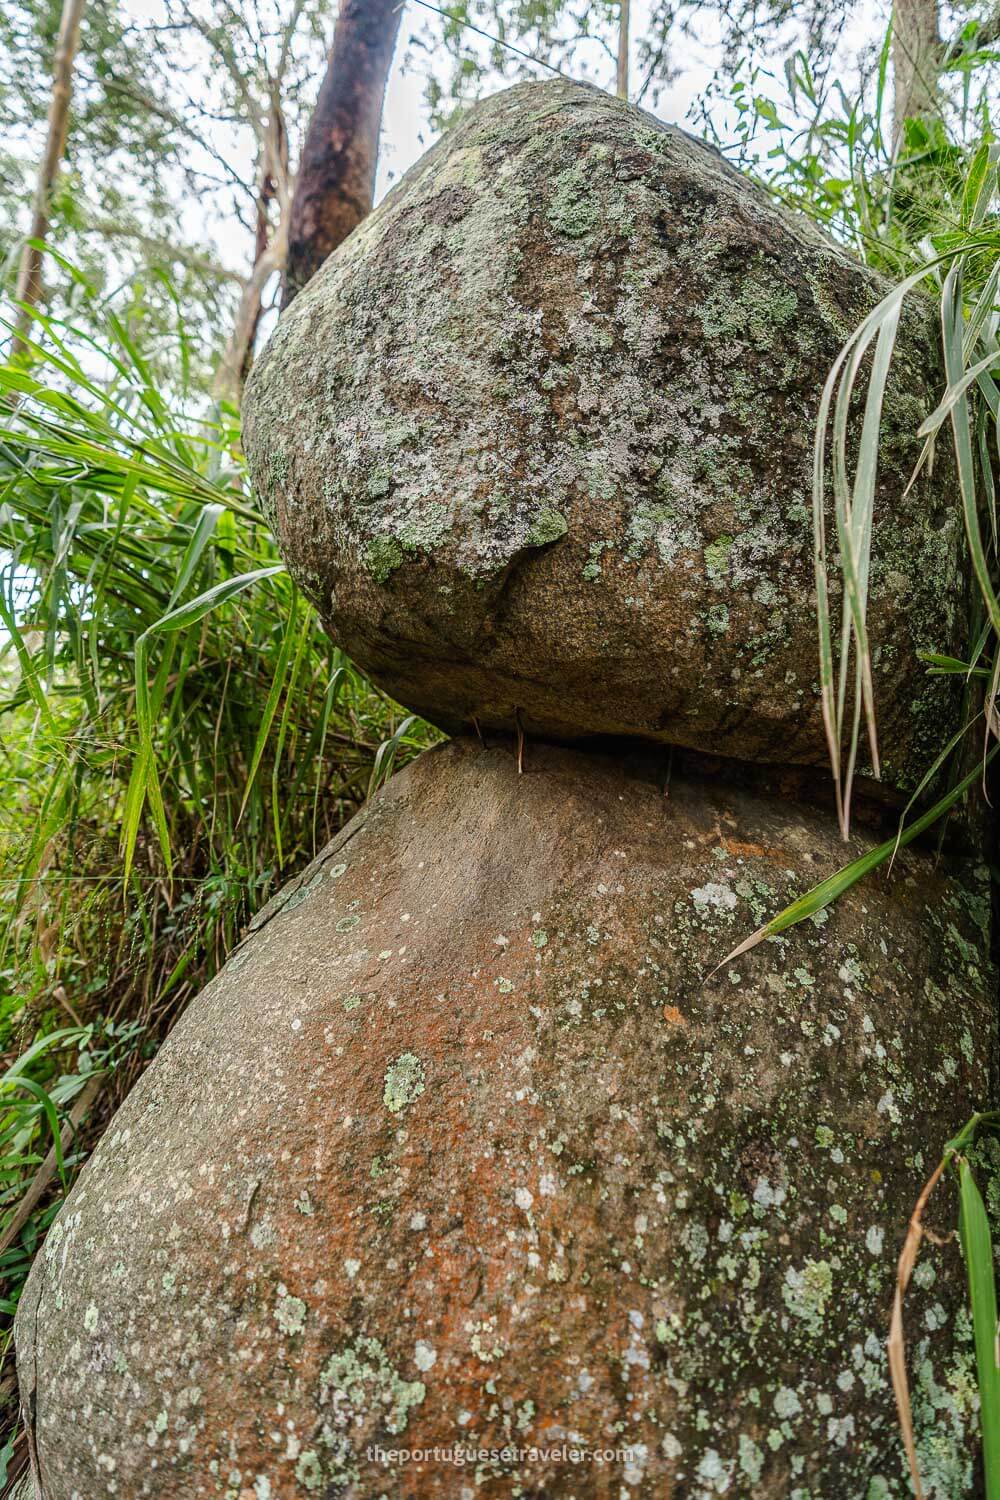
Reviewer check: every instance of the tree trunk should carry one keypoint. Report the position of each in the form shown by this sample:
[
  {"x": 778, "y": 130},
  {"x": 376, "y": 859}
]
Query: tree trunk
[
  {"x": 270, "y": 250},
  {"x": 622, "y": 76},
  {"x": 336, "y": 179},
  {"x": 29, "y": 277},
  {"x": 235, "y": 364},
  {"x": 916, "y": 62}
]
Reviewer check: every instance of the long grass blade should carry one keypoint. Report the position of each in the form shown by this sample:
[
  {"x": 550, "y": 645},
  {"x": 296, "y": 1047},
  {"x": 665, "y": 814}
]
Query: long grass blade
[
  {"x": 207, "y": 521},
  {"x": 977, "y": 1248},
  {"x": 951, "y": 325},
  {"x": 827, "y": 891},
  {"x": 270, "y": 706}
]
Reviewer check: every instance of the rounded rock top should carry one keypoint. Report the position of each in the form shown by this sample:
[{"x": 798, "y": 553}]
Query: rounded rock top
[{"x": 537, "y": 442}]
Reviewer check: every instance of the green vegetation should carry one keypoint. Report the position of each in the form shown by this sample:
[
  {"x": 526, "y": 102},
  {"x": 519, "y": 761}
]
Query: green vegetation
[
  {"x": 928, "y": 215},
  {"x": 179, "y": 736}
]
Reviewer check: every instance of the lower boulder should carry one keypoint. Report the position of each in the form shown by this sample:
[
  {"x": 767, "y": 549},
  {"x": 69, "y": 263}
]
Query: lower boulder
[{"x": 467, "y": 1149}]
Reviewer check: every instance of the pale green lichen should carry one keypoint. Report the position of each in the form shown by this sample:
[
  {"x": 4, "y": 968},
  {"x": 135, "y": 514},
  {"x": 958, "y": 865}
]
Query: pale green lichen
[
  {"x": 423, "y": 529},
  {"x": 382, "y": 557},
  {"x": 548, "y": 526},
  {"x": 290, "y": 1315},
  {"x": 762, "y": 305},
  {"x": 717, "y": 557},
  {"x": 573, "y": 210},
  {"x": 309, "y": 1470},
  {"x": 361, "y": 1380},
  {"x": 807, "y": 1291},
  {"x": 717, "y": 619},
  {"x": 404, "y": 1082},
  {"x": 751, "y": 1459}
]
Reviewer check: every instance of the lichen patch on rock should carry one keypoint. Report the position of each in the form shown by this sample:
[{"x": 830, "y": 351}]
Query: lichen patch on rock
[
  {"x": 537, "y": 441},
  {"x": 622, "y": 1199}
]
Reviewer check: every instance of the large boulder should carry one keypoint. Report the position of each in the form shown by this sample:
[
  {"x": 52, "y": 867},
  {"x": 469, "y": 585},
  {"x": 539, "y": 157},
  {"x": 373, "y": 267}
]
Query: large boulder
[
  {"x": 538, "y": 437},
  {"x": 467, "y": 1147}
]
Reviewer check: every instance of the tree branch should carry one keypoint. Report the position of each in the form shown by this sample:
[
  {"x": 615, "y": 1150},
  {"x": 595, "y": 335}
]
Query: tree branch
[{"x": 29, "y": 276}]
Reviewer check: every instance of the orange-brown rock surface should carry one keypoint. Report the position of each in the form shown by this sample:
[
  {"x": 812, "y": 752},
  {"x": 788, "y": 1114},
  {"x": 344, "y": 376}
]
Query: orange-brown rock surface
[{"x": 467, "y": 1147}]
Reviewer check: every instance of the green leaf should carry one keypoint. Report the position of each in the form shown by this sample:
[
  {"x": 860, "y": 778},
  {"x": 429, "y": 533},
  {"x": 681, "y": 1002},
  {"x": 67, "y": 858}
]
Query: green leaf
[
  {"x": 219, "y": 593},
  {"x": 7, "y": 1451},
  {"x": 66, "y": 1036},
  {"x": 977, "y": 193},
  {"x": 49, "y": 1110},
  {"x": 827, "y": 891},
  {"x": 385, "y": 759},
  {"x": 207, "y": 522},
  {"x": 977, "y": 1248},
  {"x": 270, "y": 707},
  {"x": 954, "y": 394}
]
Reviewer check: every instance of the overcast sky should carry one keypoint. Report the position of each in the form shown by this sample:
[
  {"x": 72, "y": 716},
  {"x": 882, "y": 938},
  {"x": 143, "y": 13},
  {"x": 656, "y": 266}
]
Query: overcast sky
[{"x": 406, "y": 131}]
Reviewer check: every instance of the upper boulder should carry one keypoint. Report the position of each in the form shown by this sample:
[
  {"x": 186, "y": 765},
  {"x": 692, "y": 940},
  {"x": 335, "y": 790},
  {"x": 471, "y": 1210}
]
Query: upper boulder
[{"x": 538, "y": 437}]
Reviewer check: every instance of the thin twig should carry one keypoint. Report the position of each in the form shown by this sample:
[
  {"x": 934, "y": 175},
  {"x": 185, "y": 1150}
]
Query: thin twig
[
  {"x": 896, "y": 1344},
  {"x": 47, "y": 1170}
]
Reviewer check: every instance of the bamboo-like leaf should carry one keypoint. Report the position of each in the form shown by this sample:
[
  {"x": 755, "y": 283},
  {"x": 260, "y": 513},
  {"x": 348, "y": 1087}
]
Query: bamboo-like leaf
[
  {"x": 827, "y": 891},
  {"x": 856, "y": 534},
  {"x": 954, "y": 394},
  {"x": 976, "y": 194},
  {"x": 270, "y": 707},
  {"x": 64, "y": 1036},
  {"x": 932, "y": 770},
  {"x": 949, "y": 666},
  {"x": 983, "y": 310},
  {"x": 135, "y": 800},
  {"x": 49, "y": 1111},
  {"x": 386, "y": 756},
  {"x": 951, "y": 324},
  {"x": 219, "y": 593},
  {"x": 977, "y": 1248},
  {"x": 205, "y": 526}
]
